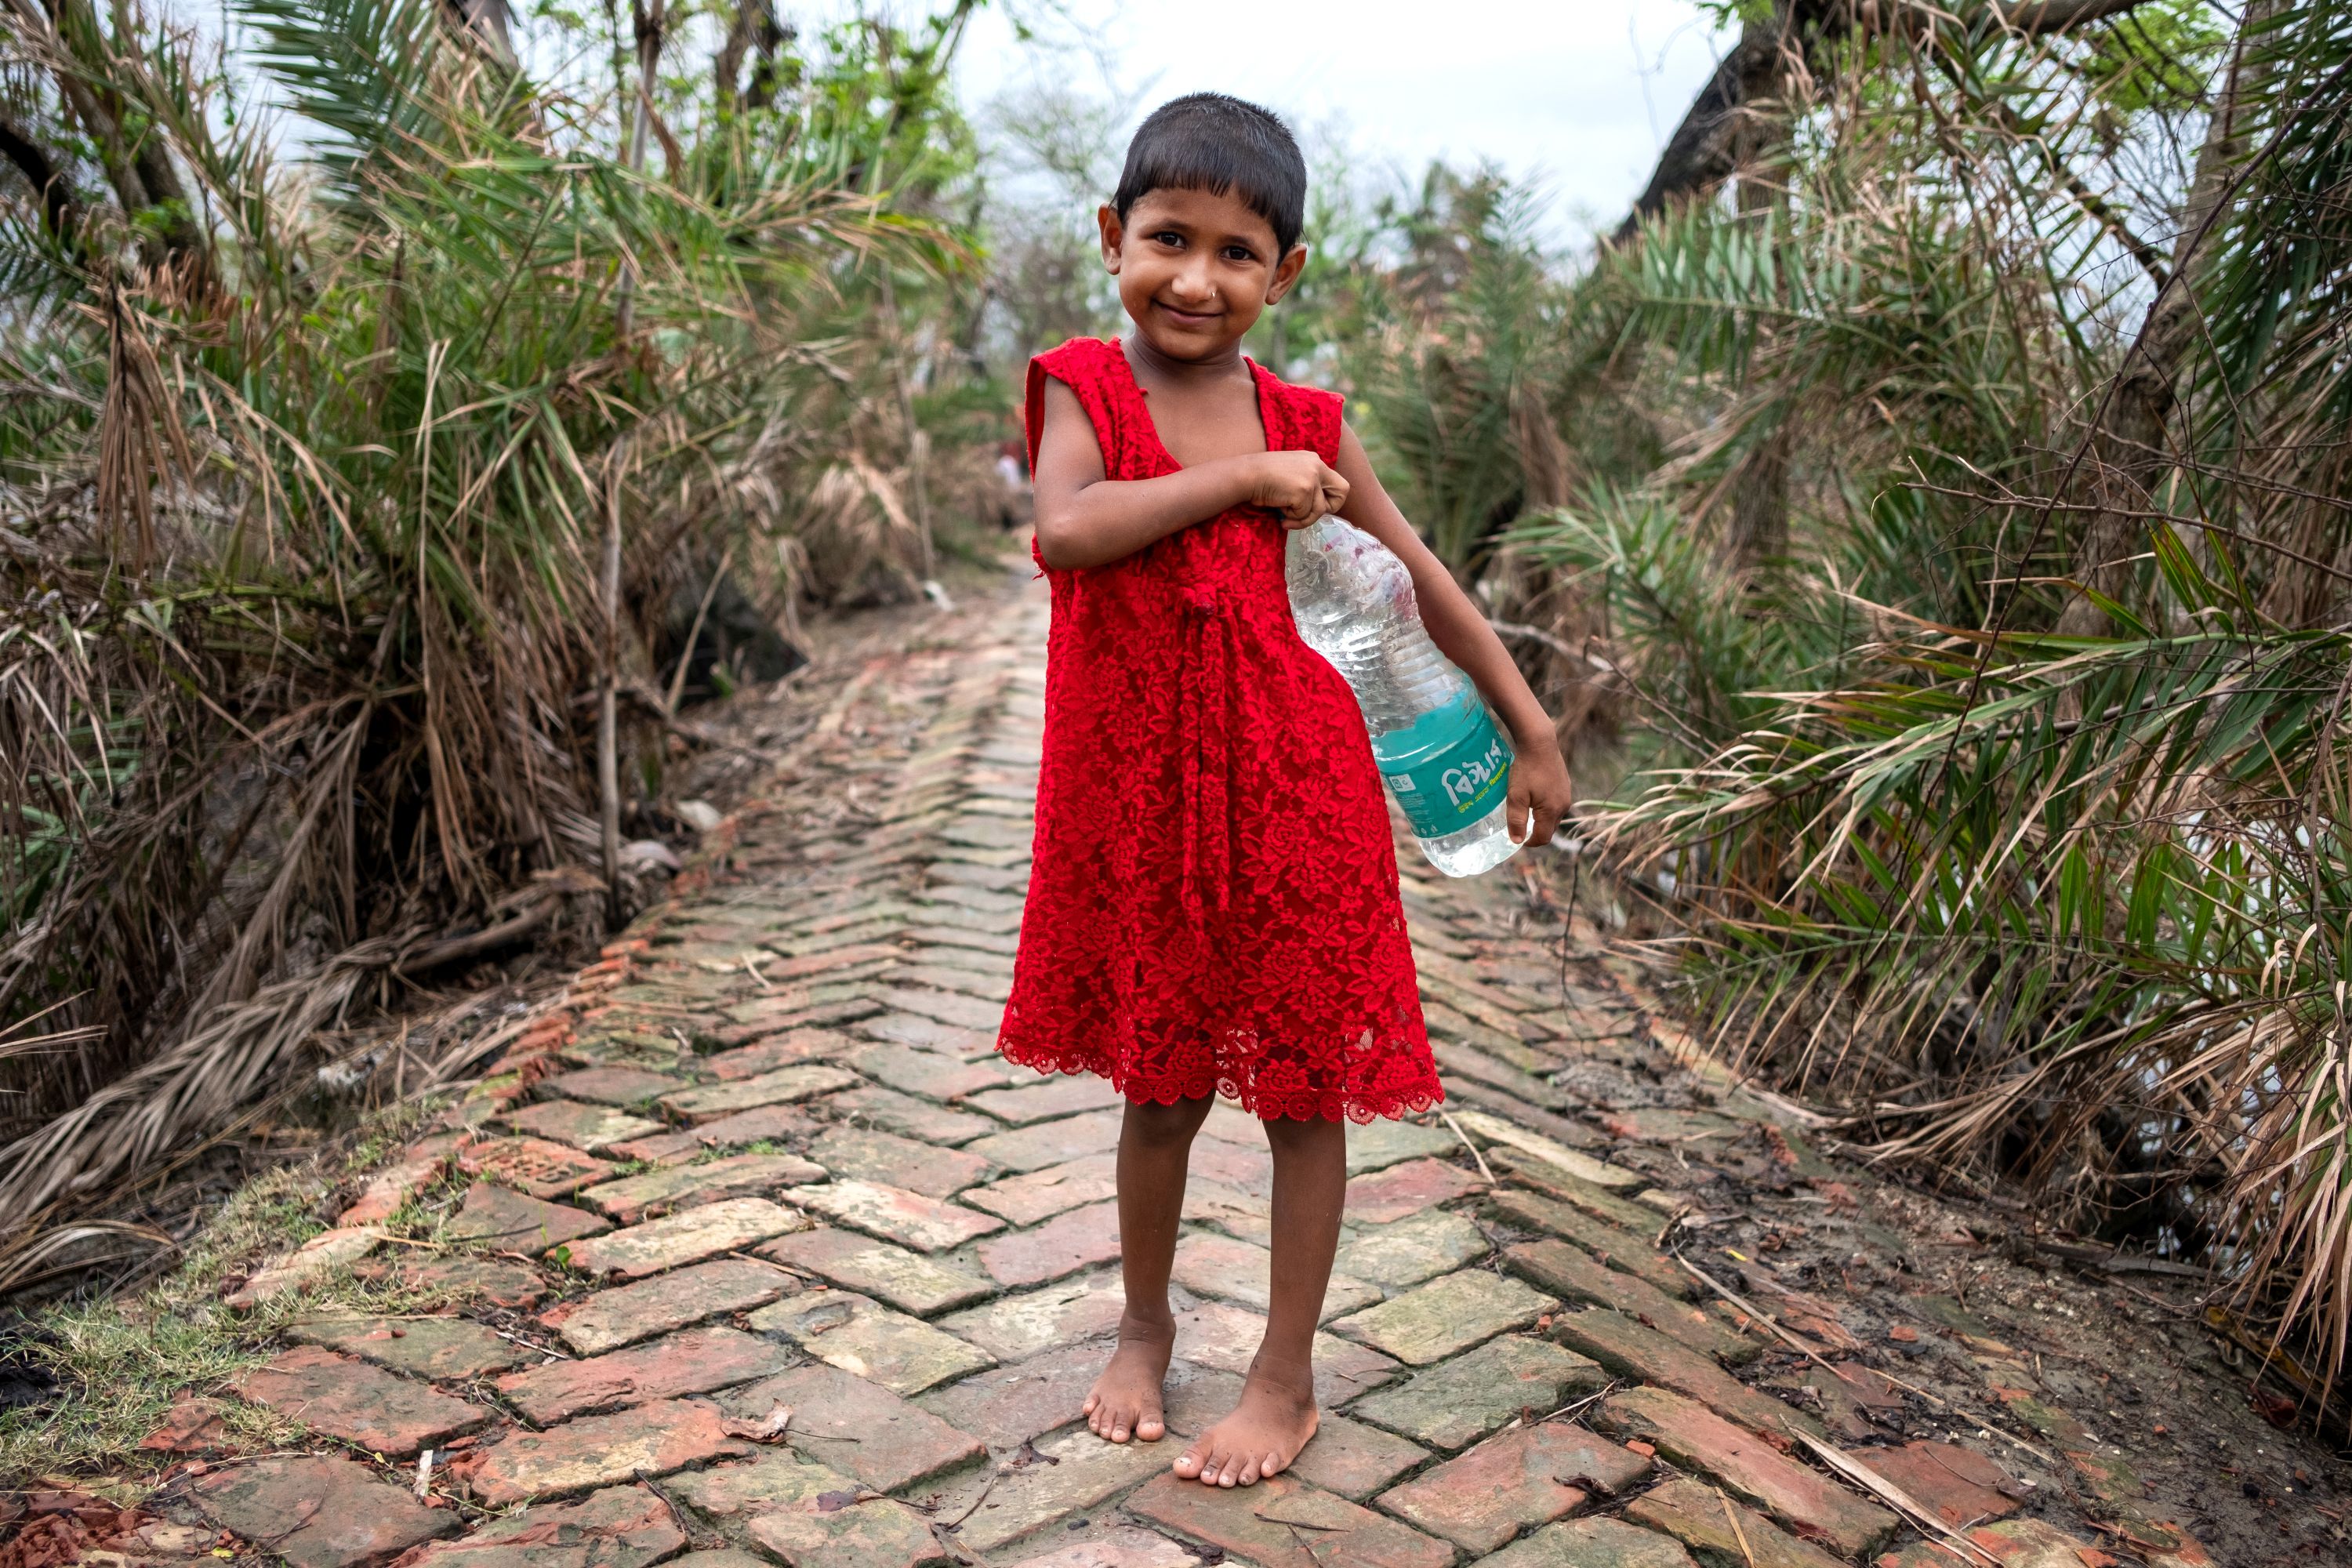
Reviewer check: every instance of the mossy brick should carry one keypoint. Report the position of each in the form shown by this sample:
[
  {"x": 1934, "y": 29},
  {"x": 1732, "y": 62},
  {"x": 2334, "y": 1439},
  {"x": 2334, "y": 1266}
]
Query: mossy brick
[
  {"x": 868, "y": 1154},
  {"x": 789, "y": 1048},
  {"x": 1574, "y": 1274},
  {"x": 909, "y": 1281},
  {"x": 850, "y": 1423},
  {"x": 509, "y": 1221},
  {"x": 1006, "y": 1406},
  {"x": 1077, "y": 1471},
  {"x": 1688, "y": 1434},
  {"x": 895, "y": 1214},
  {"x": 1080, "y": 1238},
  {"x": 859, "y": 1335},
  {"x": 674, "y": 1240},
  {"x": 785, "y": 1086},
  {"x": 1037, "y": 1195},
  {"x": 1592, "y": 1543},
  {"x": 874, "y": 1533},
  {"x": 1457, "y": 1402},
  {"x": 358, "y": 1402},
  {"x": 1445, "y": 1317},
  {"x": 619, "y": 1527},
  {"x": 946, "y": 1006},
  {"x": 1613, "y": 1206},
  {"x": 764, "y": 1124},
  {"x": 930, "y": 1074},
  {"x": 1403, "y": 1252},
  {"x": 1265, "y": 1523},
  {"x": 1525, "y": 1476},
  {"x": 695, "y": 1360},
  {"x": 1627, "y": 1252},
  {"x": 1119, "y": 1546},
  {"x": 984, "y": 984},
  {"x": 1017, "y": 1326},
  {"x": 643, "y": 1442},
  {"x": 773, "y": 1477},
  {"x": 930, "y": 1034},
  {"x": 584, "y": 1127},
  {"x": 874, "y": 1106},
  {"x": 1381, "y": 1197},
  {"x": 1385, "y": 1142},
  {"x": 437, "y": 1349},
  {"x": 611, "y": 1319},
  {"x": 673, "y": 1188},
  {"x": 1067, "y": 1094},
  {"x": 1701, "y": 1517},
  {"x": 484, "y": 1279},
  {"x": 1353, "y": 1459},
  {"x": 1633, "y": 1351},
  {"x": 1225, "y": 1338},
  {"x": 1225, "y": 1269},
  {"x": 609, "y": 1086},
  {"x": 1044, "y": 1144},
  {"x": 319, "y": 1512}
]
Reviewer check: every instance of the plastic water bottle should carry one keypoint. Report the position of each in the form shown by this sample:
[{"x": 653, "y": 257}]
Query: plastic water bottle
[{"x": 1439, "y": 750}]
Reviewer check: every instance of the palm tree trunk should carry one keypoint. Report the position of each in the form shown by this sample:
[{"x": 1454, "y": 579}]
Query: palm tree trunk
[{"x": 2128, "y": 451}]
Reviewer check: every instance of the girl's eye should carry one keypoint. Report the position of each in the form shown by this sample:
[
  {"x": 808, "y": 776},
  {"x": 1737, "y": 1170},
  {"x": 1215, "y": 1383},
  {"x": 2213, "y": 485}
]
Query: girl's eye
[
  {"x": 1168, "y": 236},
  {"x": 1240, "y": 253}
]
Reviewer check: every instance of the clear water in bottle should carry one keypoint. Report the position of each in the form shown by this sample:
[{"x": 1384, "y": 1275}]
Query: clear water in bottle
[{"x": 1438, "y": 749}]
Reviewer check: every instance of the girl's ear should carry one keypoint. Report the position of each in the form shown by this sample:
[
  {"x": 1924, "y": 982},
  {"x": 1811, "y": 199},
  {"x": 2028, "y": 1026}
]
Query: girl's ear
[
  {"x": 1285, "y": 273},
  {"x": 1114, "y": 235}
]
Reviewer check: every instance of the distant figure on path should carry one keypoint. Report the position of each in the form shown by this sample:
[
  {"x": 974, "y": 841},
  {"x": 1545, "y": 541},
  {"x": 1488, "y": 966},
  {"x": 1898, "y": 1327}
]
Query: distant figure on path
[{"x": 1212, "y": 900}]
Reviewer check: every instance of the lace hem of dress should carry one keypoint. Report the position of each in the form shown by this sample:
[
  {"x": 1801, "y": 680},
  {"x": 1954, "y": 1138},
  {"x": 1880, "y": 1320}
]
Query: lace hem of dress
[{"x": 1394, "y": 1101}]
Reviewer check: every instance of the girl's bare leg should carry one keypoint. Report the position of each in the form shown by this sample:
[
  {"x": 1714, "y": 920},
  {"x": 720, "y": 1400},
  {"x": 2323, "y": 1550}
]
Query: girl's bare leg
[
  {"x": 1155, "y": 1146},
  {"x": 1276, "y": 1415}
]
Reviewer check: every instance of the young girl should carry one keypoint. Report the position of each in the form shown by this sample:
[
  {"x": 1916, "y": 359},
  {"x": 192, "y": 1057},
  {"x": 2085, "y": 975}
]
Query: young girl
[{"x": 1212, "y": 902}]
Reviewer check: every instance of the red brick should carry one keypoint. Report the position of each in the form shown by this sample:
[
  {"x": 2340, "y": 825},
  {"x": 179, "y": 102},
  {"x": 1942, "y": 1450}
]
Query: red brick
[
  {"x": 611, "y": 1319},
  {"x": 1007, "y": 1406},
  {"x": 620, "y": 1527},
  {"x": 394, "y": 1185},
  {"x": 463, "y": 1279},
  {"x": 1256, "y": 1523},
  {"x": 1063, "y": 1244},
  {"x": 690, "y": 1236},
  {"x": 357, "y": 1402},
  {"x": 533, "y": 1166},
  {"x": 674, "y": 1187},
  {"x": 1526, "y": 1475},
  {"x": 1576, "y": 1276},
  {"x": 1353, "y": 1459},
  {"x": 769, "y": 1123},
  {"x": 1064, "y": 1095},
  {"x": 906, "y": 1281},
  {"x": 847, "y": 1423},
  {"x": 1696, "y": 1438},
  {"x": 864, "y": 1155},
  {"x": 1959, "y": 1486},
  {"x": 434, "y": 1348},
  {"x": 694, "y": 1362},
  {"x": 1628, "y": 1349},
  {"x": 1122, "y": 1546},
  {"x": 589, "y": 1127},
  {"x": 1041, "y": 1194},
  {"x": 779, "y": 1050},
  {"x": 894, "y": 1213},
  {"x": 609, "y": 1086},
  {"x": 497, "y": 1216},
  {"x": 1380, "y": 1197},
  {"x": 645, "y": 1442},
  {"x": 934, "y": 1075},
  {"x": 319, "y": 1512},
  {"x": 1618, "y": 1249},
  {"x": 1701, "y": 1517},
  {"x": 877, "y": 1533}
]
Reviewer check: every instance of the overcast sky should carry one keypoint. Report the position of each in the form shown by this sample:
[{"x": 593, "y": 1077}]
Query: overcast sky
[{"x": 1580, "y": 93}]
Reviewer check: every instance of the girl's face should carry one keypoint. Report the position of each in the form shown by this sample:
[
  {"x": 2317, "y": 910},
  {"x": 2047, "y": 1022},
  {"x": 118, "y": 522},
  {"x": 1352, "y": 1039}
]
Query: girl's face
[{"x": 1195, "y": 269}]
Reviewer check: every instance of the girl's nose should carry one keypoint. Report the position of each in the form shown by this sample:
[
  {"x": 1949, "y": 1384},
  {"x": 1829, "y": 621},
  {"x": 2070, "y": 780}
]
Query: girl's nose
[{"x": 1193, "y": 282}]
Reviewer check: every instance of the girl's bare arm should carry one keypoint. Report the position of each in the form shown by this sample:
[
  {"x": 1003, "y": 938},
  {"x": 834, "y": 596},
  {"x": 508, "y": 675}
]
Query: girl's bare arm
[
  {"x": 1086, "y": 520},
  {"x": 1540, "y": 783}
]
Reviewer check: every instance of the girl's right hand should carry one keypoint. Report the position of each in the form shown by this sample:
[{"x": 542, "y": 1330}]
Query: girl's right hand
[{"x": 1299, "y": 485}]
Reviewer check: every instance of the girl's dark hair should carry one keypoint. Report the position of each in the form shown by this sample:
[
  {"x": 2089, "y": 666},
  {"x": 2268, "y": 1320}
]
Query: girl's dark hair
[{"x": 1208, "y": 141}]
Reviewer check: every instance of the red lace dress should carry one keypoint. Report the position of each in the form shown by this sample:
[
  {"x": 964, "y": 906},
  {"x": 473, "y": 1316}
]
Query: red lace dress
[{"x": 1212, "y": 898}]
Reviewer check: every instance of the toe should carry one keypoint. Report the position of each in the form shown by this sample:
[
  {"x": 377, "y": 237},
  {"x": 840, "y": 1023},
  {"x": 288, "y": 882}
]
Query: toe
[
  {"x": 1150, "y": 1427},
  {"x": 1118, "y": 1429},
  {"x": 1249, "y": 1473},
  {"x": 1189, "y": 1462},
  {"x": 1274, "y": 1465}
]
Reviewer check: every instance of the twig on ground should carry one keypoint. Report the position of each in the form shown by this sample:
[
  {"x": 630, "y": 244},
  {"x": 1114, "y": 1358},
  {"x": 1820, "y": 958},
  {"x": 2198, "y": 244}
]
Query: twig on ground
[
  {"x": 1483, "y": 1169},
  {"x": 1732, "y": 1515}
]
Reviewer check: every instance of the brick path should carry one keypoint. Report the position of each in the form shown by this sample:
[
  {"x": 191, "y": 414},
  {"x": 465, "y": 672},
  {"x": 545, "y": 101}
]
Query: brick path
[{"x": 759, "y": 1250}]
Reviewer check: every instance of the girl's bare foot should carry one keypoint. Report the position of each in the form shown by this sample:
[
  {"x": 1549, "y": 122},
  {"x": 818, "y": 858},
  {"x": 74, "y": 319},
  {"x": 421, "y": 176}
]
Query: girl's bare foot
[
  {"x": 1125, "y": 1401},
  {"x": 1264, "y": 1433}
]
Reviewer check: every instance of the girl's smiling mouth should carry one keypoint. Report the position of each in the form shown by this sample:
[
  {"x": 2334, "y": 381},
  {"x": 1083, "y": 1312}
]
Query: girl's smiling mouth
[{"x": 1184, "y": 318}]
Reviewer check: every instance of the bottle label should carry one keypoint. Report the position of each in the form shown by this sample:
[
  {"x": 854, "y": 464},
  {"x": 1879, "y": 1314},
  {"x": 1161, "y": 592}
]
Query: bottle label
[{"x": 1447, "y": 786}]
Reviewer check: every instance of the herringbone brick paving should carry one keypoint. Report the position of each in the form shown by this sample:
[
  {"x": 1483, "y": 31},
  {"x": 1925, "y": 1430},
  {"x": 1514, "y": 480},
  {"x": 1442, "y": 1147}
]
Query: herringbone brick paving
[{"x": 808, "y": 1275}]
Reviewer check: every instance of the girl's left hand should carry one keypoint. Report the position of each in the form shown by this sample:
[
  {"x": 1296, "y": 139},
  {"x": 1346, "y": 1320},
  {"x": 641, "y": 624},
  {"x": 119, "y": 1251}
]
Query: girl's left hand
[{"x": 1539, "y": 791}]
